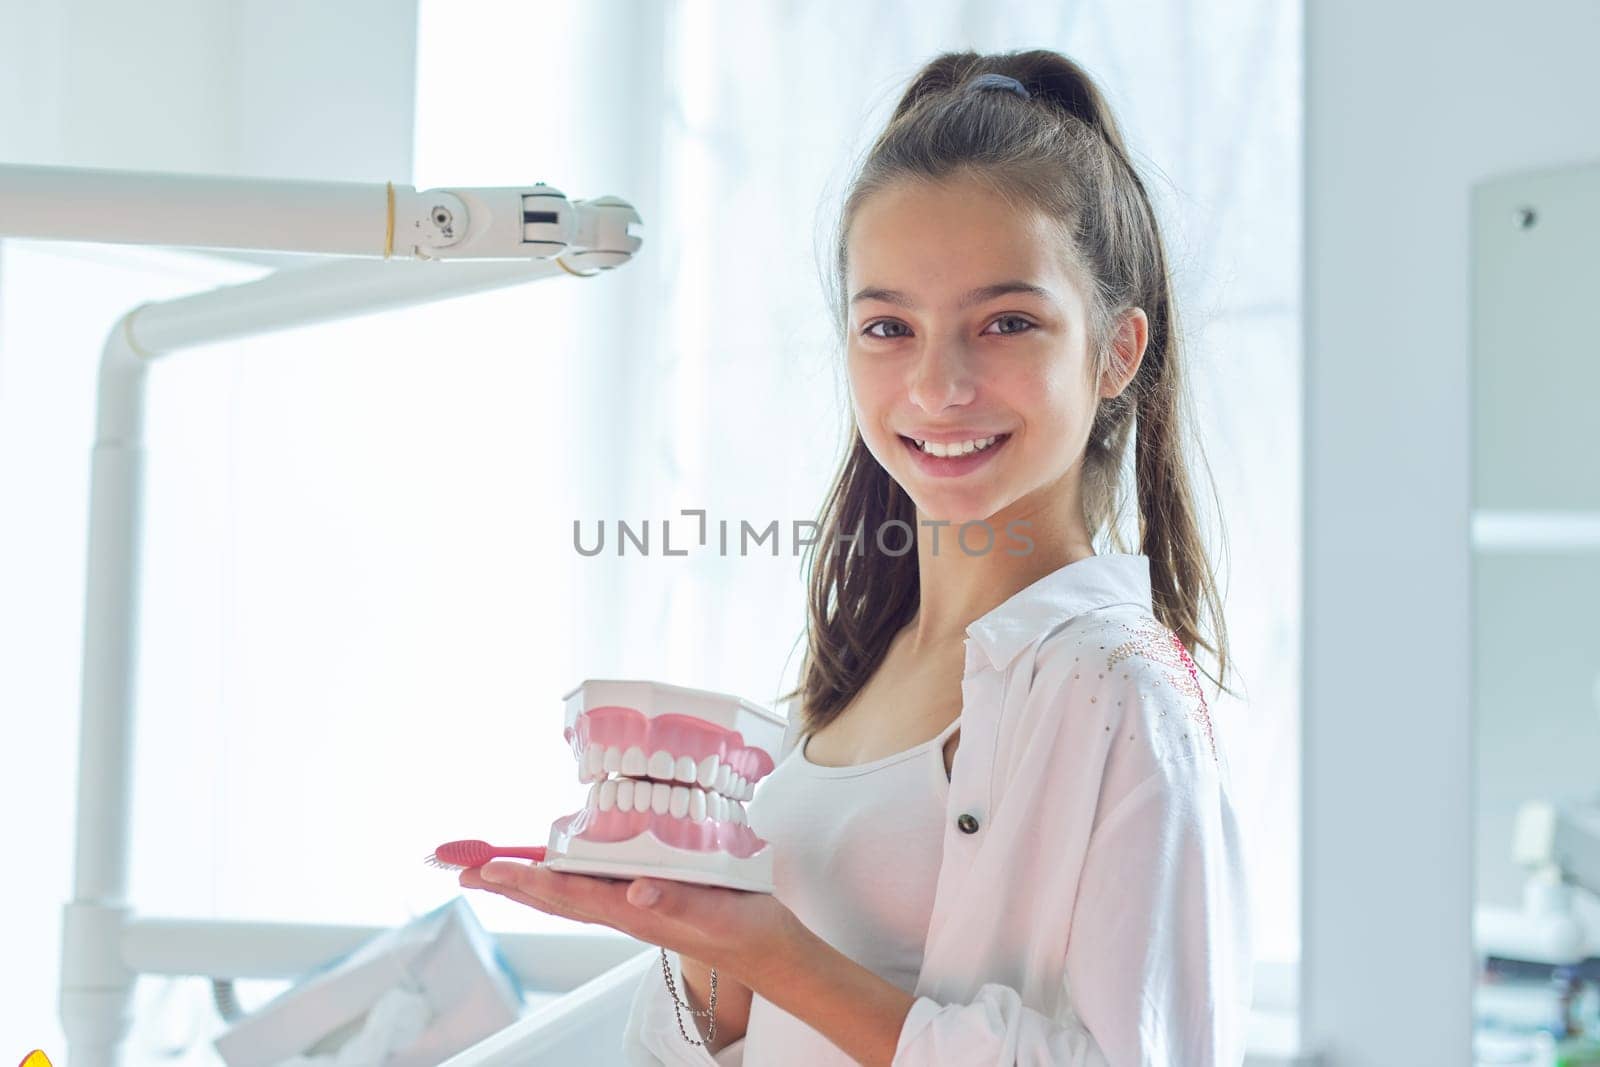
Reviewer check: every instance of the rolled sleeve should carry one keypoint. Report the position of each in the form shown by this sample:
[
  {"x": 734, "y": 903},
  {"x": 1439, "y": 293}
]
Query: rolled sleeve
[{"x": 996, "y": 1028}]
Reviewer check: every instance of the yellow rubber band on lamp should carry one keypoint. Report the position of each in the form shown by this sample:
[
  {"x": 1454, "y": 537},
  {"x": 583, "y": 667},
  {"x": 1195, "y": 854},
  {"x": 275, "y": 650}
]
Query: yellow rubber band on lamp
[
  {"x": 388, "y": 229},
  {"x": 576, "y": 273}
]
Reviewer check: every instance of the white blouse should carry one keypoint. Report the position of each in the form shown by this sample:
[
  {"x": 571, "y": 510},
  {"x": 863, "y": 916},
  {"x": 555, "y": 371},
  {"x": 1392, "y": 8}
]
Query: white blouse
[{"x": 1091, "y": 905}]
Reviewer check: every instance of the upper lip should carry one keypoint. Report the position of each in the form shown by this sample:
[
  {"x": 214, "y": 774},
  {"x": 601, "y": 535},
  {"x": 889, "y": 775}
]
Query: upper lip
[{"x": 951, "y": 437}]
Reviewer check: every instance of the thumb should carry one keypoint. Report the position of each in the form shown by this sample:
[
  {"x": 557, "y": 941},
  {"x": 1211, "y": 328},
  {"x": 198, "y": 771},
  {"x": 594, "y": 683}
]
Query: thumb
[{"x": 648, "y": 893}]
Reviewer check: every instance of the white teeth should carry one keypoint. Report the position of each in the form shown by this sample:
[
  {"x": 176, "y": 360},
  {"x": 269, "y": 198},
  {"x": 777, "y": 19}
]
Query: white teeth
[
  {"x": 707, "y": 771},
  {"x": 617, "y": 782},
  {"x": 956, "y": 448},
  {"x": 738, "y": 813}
]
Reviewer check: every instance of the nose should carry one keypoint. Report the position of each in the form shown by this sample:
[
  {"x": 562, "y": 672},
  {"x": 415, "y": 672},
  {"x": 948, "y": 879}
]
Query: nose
[{"x": 941, "y": 376}]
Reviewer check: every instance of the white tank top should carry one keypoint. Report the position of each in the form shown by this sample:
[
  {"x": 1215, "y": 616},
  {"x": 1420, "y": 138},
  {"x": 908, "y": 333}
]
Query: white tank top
[{"x": 856, "y": 858}]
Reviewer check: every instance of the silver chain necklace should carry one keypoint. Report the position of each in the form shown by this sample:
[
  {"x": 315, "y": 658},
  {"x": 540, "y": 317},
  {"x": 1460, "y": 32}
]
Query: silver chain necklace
[{"x": 710, "y": 1012}]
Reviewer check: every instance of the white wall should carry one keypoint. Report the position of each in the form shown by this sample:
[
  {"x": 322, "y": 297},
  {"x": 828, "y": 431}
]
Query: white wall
[
  {"x": 275, "y": 88},
  {"x": 281, "y": 89},
  {"x": 1407, "y": 106}
]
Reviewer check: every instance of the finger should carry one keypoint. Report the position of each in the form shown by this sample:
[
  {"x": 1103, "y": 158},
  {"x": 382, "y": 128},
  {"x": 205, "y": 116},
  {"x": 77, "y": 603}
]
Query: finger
[
  {"x": 472, "y": 878},
  {"x": 533, "y": 879},
  {"x": 540, "y": 903},
  {"x": 538, "y": 880},
  {"x": 578, "y": 896},
  {"x": 700, "y": 906}
]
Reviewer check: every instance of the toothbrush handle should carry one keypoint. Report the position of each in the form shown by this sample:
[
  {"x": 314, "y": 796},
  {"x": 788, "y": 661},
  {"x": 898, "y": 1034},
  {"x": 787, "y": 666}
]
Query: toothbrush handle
[{"x": 535, "y": 853}]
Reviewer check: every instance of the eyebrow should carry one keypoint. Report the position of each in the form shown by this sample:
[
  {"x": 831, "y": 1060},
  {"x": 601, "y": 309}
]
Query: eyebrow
[{"x": 976, "y": 296}]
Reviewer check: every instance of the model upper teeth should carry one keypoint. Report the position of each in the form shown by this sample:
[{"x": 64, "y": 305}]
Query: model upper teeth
[
  {"x": 955, "y": 448},
  {"x": 599, "y": 763}
]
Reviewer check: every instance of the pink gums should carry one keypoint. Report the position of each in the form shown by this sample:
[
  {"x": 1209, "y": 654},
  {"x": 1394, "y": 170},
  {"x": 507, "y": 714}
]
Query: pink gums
[
  {"x": 681, "y": 735},
  {"x": 736, "y": 839}
]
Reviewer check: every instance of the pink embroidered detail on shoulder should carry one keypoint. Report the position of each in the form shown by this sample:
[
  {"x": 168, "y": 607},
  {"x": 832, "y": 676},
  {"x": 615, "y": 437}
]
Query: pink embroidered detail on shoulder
[{"x": 1158, "y": 643}]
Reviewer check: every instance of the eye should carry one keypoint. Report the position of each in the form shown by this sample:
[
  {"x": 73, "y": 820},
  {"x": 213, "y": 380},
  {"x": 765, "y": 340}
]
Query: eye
[
  {"x": 1014, "y": 318},
  {"x": 867, "y": 329}
]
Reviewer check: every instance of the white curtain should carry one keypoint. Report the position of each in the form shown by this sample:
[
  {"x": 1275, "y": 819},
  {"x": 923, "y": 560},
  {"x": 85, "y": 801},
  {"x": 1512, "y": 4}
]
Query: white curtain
[{"x": 362, "y": 597}]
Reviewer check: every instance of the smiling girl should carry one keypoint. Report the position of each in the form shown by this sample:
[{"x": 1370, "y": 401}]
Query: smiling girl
[{"x": 1002, "y": 821}]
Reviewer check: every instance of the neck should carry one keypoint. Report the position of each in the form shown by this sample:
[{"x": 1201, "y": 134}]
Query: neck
[{"x": 958, "y": 588}]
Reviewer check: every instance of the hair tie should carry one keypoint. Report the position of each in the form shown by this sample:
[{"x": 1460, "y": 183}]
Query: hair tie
[{"x": 998, "y": 81}]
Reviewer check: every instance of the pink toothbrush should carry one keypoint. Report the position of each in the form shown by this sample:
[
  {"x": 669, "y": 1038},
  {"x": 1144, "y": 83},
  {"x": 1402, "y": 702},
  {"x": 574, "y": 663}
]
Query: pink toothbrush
[{"x": 460, "y": 855}]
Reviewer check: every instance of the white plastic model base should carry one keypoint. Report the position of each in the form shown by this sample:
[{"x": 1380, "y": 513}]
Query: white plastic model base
[
  {"x": 670, "y": 769},
  {"x": 645, "y": 857}
]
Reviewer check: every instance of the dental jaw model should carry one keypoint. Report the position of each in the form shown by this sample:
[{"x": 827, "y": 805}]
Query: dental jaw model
[{"x": 670, "y": 770}]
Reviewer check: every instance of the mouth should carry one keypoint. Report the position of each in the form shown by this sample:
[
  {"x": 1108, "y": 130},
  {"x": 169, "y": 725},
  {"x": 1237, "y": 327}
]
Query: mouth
[{"x": 953, "y": 466}]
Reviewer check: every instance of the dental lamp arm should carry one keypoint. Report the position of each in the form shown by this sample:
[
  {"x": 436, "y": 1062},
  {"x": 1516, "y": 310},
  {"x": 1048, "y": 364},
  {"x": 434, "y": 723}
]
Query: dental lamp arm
[{"x": 365, "y": 219}]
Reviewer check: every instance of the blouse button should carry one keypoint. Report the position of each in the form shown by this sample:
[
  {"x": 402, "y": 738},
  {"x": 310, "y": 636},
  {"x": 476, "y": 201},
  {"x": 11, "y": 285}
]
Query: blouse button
[{"x": 968, "y": 824}]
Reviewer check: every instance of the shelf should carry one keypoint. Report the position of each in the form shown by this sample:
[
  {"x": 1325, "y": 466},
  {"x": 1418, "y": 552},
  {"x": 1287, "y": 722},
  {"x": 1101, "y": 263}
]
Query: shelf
[{"x": 1535, "y": 531}]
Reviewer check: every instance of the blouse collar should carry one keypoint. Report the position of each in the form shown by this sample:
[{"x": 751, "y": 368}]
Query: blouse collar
[{"x": 1083, "y": 585}]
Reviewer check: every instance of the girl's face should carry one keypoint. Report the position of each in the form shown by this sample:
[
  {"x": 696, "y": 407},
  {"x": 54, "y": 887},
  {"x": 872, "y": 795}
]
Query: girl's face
[{"x": 964, "y": 325}]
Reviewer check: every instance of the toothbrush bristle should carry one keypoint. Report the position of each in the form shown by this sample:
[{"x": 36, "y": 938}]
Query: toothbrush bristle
[{"x": 463, "y": 854}]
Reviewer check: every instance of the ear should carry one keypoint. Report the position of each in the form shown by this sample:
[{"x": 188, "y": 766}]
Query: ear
[{"x": 1127, "y": 351}]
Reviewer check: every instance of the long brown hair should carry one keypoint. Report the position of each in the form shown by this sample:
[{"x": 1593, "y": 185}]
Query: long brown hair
[{"x": 1059, "y": 151}]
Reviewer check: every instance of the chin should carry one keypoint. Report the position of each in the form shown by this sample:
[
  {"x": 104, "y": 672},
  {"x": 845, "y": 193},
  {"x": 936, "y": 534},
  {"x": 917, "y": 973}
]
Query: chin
[{"x": 956, "y": 513}]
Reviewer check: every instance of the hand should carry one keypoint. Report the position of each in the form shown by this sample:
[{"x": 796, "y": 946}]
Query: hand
[{"x": 744, "y": 935}]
